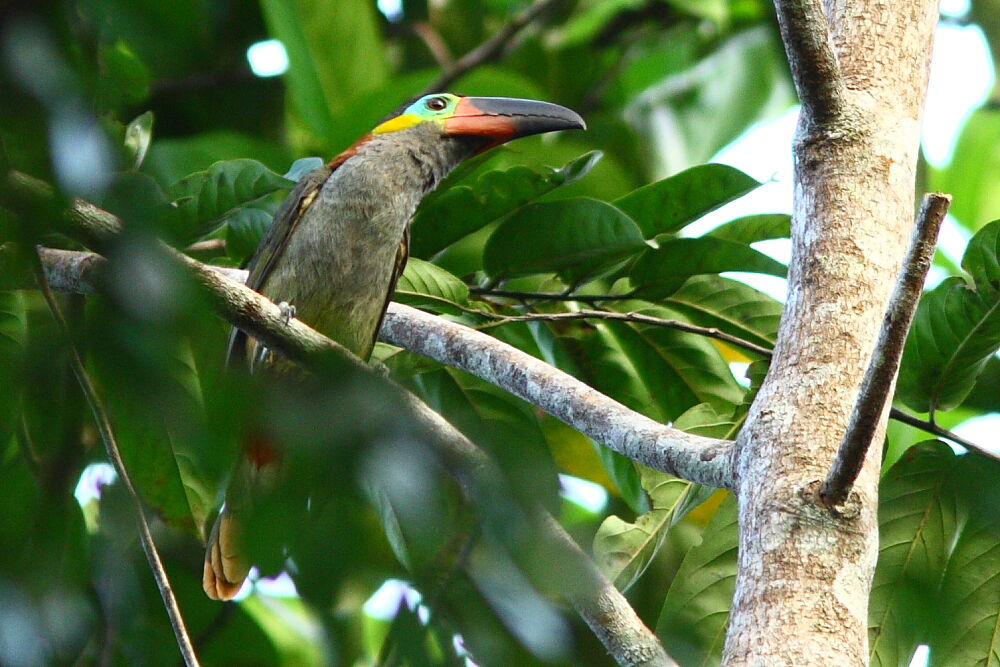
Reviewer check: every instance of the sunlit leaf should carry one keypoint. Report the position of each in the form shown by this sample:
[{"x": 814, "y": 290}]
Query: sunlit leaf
[
  {"x": 670, "y": 204},
  {"x": 138, "y": 135},
  {"x": 917, "y": 525},
  {"x": 661, "y": 272},
  {"x": 424, "y": 285}
]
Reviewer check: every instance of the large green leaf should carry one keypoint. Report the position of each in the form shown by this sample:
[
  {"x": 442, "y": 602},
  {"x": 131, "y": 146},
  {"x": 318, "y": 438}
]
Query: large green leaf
[
  {"x": 729, "y": 306},
  {"x": 452, "y": 214},
  {"x": 153, "y": 437},
  {"x": 659, "y": 273},
  {"x": 696, "y": 610},
  {"x": 679, "y": 370},
  {"x": 752, "y": 228},
  {"x": 955, "y": 332},
  {"x": 206, "y": 198},
  {"x": 917, "y": 525},
  {"x": 965, "y": 627},
  {"x": 335, "y": 55},
  {"x": 982, "y": 259},
  {"x": 571, "y": 236},
  {"x": 425, "y": 285},
  {"x": 670, "y": 204},
  {"x": 625, "y": 549}
]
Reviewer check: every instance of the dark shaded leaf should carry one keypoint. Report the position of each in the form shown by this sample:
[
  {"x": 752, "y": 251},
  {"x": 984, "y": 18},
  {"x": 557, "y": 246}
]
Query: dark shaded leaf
[
  {"x": 572, "y": 236},
  {"x": 696, "y": 610},
  {"x": 917, "y": 525},
  {"x": 205, "y": 199},
  {"x": 752, "y": 228},
  {"x": 449, "y": 215},
  {"x": 954, "y": 334}
]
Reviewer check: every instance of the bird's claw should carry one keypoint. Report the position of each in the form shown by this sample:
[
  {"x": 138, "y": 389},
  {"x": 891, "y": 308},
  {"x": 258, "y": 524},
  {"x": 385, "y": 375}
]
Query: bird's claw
[{"x": 287, "y": 311}]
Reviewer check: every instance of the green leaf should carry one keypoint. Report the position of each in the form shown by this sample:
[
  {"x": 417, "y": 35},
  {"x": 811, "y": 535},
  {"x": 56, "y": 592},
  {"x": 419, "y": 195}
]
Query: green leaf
[
  {"x": 729, "y": 306},
  {"x": 138, "y": 135},
  {"x": 982, "y": 259},
  {"x": 124, "y": 79},
  {"x": 955, "y": 332},
  {"x": 696, "y": 610},
  {"x": 977, "y": 190},
  {"x": 449, "y": 215},
  {"x": 965, "y": 621},
  {"x": 571, "y": 236},
  {"x": 624, "y": 550},
  {"x": 205, "y": 199},
  {"x": 424, "y": 285},
  {"x": 244, "y": 230},
  {"x": 13, "y": 329},
  {"x": 917, "y": 526},
  {"x": 661, "y": 272},
  {"x": 752, "y": 228},
  {"x": 670, "y": 204},
  {"x": 335, "y": 54},
  {"x": 678, "y": 369}
]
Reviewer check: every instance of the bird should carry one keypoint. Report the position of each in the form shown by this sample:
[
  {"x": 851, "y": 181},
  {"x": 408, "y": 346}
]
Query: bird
[{"x": 339, "y": 242}]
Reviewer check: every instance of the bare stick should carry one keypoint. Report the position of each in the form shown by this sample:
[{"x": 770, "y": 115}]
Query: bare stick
[
  {"x": 805, "y": 30},
  {"x": 114, "y": 455},
  {"x": 877, "y": 383},
  {"x": 548, "y": 296},
  {"x": 491, "y": 49},
  {"x": 931, "y": 427}
]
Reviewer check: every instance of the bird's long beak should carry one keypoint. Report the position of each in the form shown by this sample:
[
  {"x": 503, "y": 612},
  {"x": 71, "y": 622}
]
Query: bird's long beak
[{"x": 506, "y": 118}]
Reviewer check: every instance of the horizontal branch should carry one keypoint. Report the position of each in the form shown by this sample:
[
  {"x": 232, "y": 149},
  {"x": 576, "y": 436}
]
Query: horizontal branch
[
  {"x": 71, "y": 271},
  {"x": 695, "y": 458}
]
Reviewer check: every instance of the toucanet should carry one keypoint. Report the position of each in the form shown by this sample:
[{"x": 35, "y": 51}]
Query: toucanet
[{"x": 339, "y": 242}]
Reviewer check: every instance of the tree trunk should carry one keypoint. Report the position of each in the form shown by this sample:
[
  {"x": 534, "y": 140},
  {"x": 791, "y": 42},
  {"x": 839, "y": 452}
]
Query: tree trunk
[{"x": 805, "y": 572}]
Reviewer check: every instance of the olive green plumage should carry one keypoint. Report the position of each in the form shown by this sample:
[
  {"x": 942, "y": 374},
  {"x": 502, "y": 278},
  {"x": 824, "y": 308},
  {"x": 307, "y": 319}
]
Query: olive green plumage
[{"x": 338, "y": 244}]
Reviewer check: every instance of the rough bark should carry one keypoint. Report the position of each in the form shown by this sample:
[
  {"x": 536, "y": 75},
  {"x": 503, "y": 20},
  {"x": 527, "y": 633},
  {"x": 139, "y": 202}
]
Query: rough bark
[{"x": 805, "y": 572}]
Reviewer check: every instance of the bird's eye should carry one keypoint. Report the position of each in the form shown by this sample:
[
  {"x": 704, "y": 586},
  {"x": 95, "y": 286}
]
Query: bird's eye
[{"x": 437, "y": 104}]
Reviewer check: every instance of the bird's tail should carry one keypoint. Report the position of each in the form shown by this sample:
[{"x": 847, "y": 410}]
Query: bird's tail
[
  {"x": 226, "y": 566},
  {"x": 226, "y": 562}
]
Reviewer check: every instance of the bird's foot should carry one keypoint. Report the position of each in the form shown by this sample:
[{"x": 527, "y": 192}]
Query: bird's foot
[
  {"x": 380, "y": 369},
  {"x": 287, "y": 311}
]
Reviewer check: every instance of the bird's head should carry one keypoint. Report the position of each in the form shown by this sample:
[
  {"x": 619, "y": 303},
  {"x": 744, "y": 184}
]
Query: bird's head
[{"x": 488, "y": 121}]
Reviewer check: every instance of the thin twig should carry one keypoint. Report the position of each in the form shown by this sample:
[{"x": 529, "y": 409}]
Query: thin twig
[
  {"x": 491, "y": 49},
  {"x": 632, "y": 316},
  {"x": 931, "y": 427},
  {"x": 881, "y": 373},
  {"x": 805, "y": 30},
  {"x": 435, "y": 44},
  {"x": 548, "y": 296},
  {"x": 114, "y": 455}
]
